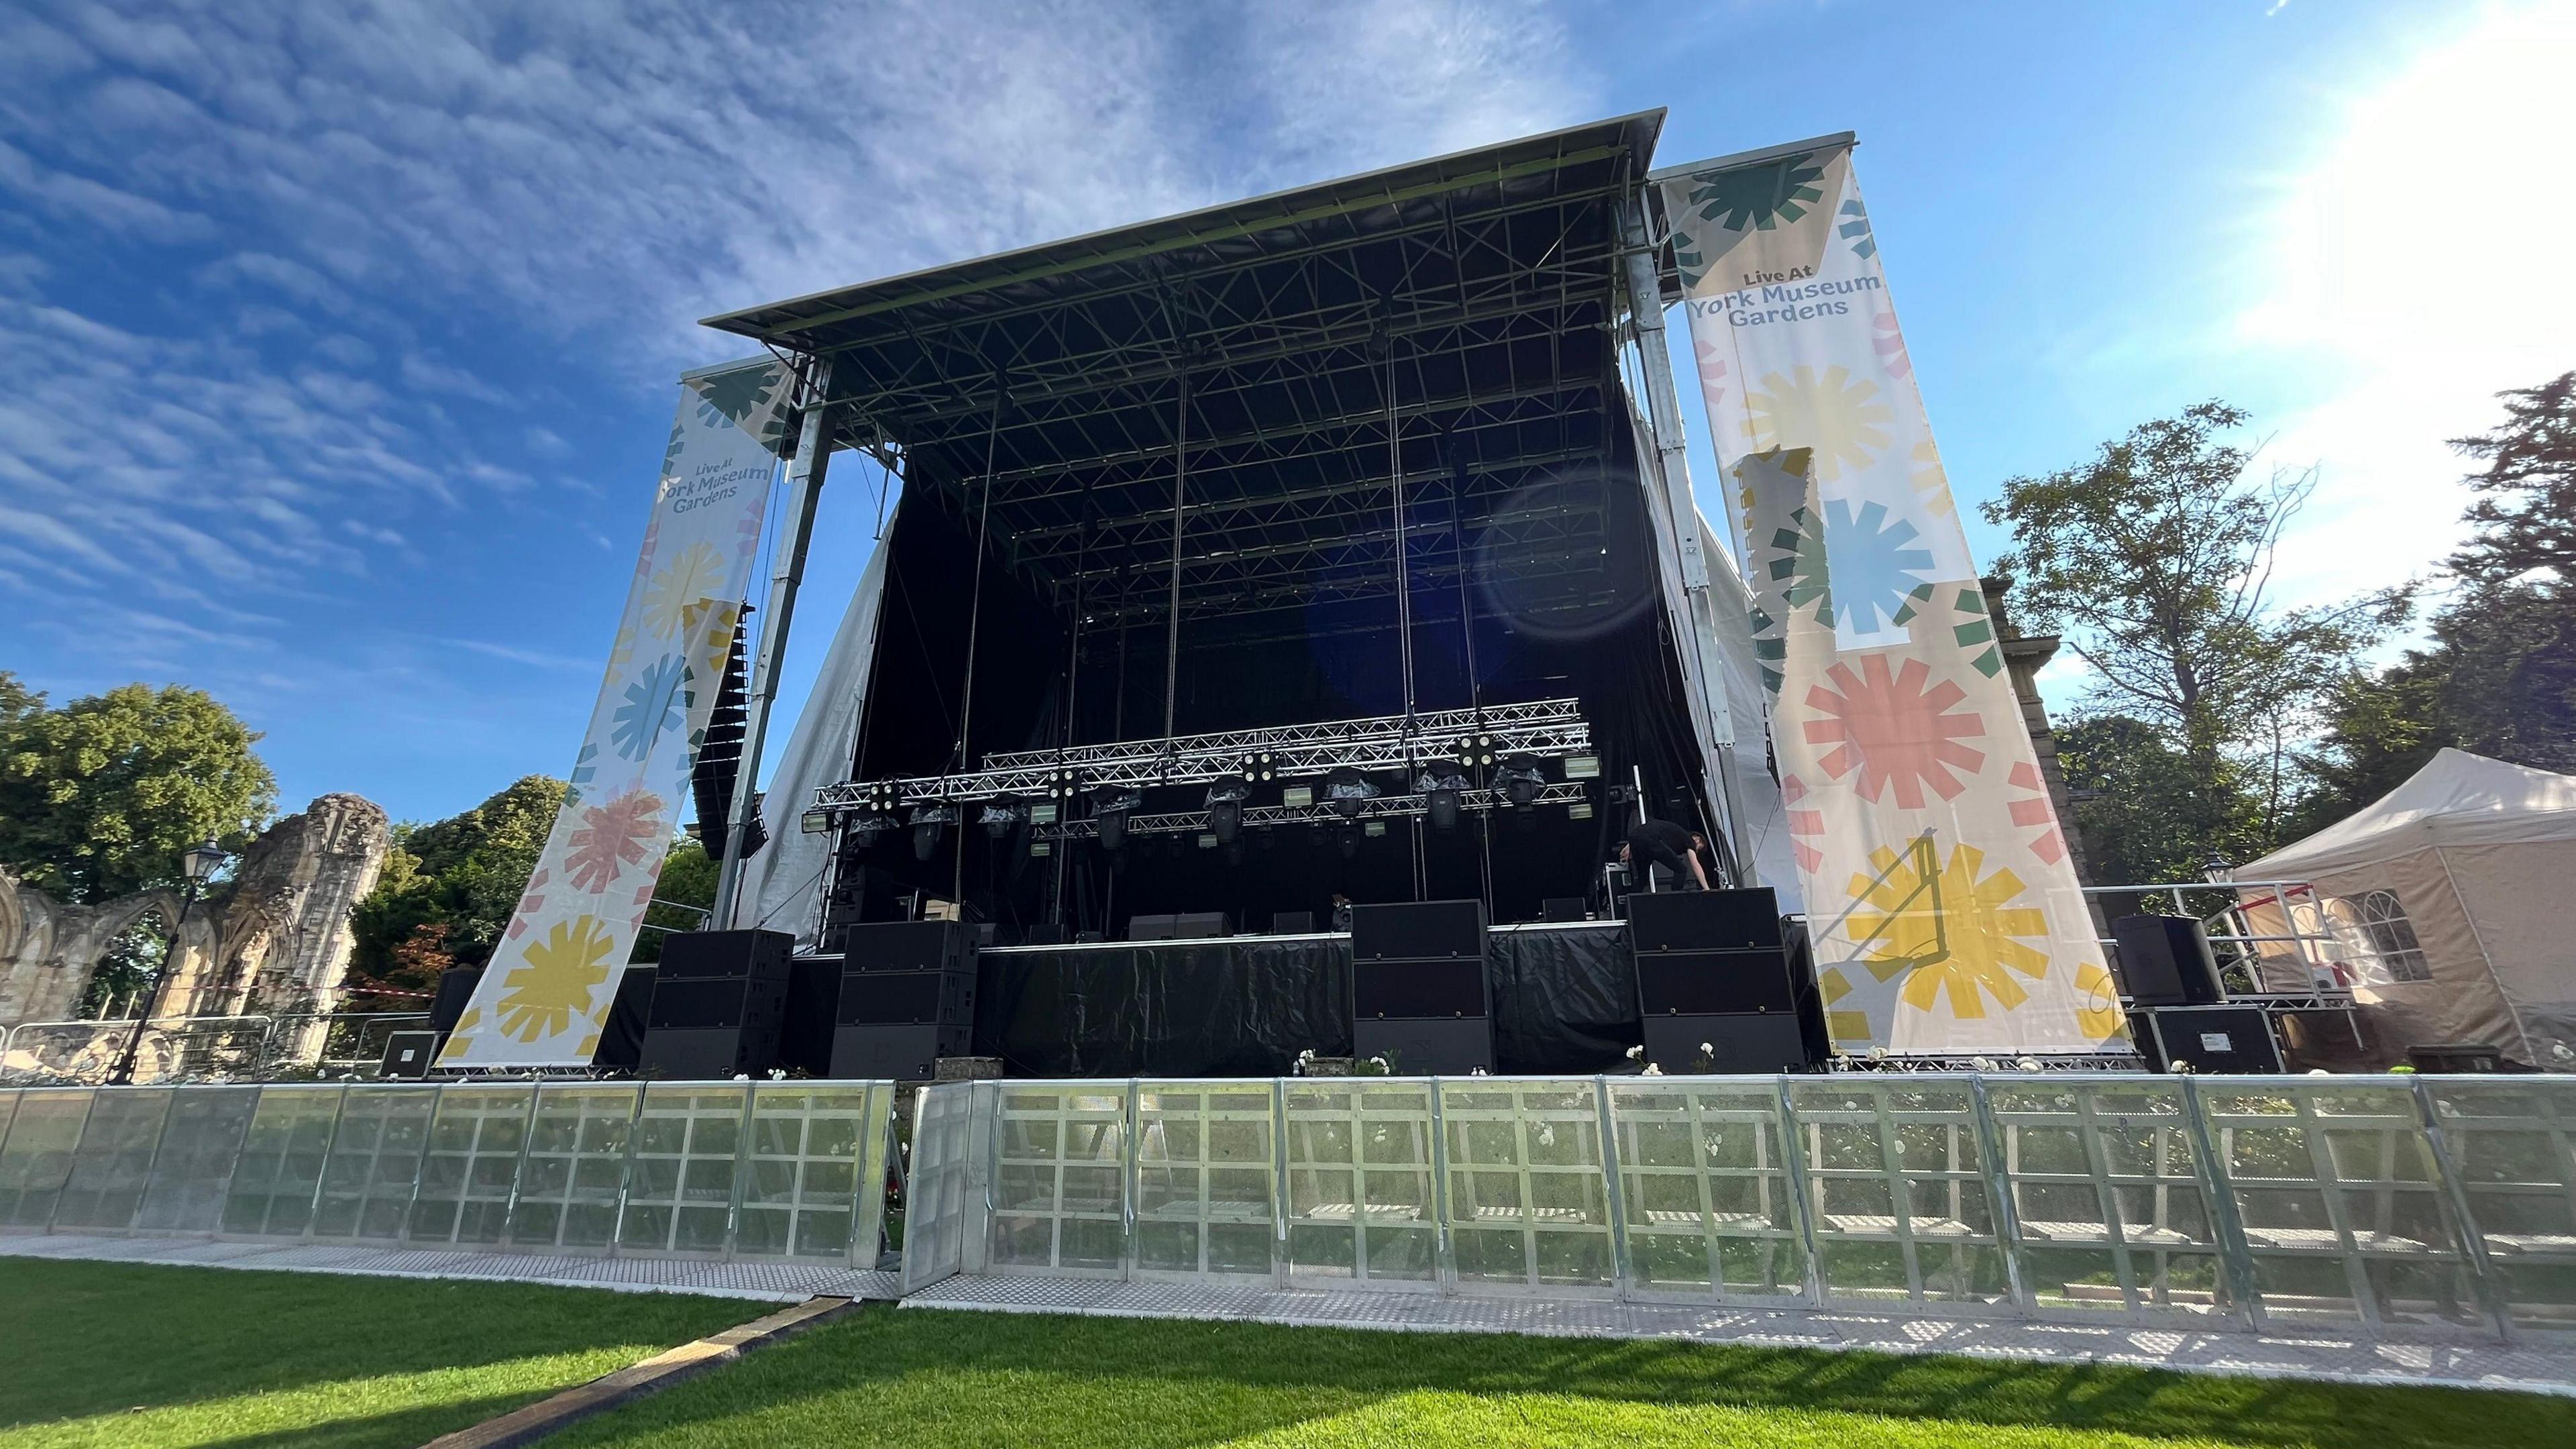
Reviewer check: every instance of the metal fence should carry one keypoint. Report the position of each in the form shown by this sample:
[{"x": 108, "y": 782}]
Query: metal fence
[
  {"x": 202, "y": 1048},
  {"x": 2413, "y": 1204},
  {"x": 764, "y": 1171}
]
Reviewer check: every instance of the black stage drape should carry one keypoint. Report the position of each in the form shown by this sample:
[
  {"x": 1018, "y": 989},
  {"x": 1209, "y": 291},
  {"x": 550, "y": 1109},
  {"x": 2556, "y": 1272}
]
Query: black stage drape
[{"x": 1564, "y": 1002}]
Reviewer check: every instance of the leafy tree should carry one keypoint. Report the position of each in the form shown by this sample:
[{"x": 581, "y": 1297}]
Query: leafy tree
[
  {"x": 2526, "y": 514},
  {"x": 2154, "y": 558},
  {"x": 688, "y": 879},
  {"x": 99, "y": 798},
  {"x": 449, "y": 887},
  {"x": 2143, "y": 813}
]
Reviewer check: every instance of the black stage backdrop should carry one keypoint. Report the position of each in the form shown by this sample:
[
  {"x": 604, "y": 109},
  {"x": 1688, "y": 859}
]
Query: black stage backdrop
[{"x": 1565, "y": 1003}]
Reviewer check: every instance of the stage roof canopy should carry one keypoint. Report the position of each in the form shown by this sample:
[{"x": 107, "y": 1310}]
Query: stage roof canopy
[{"x": 1466, "y": 302}]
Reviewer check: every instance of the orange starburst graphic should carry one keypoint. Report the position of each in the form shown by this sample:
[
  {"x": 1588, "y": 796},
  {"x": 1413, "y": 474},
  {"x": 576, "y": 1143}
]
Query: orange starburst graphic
[{"x": 1897, "y": 728}]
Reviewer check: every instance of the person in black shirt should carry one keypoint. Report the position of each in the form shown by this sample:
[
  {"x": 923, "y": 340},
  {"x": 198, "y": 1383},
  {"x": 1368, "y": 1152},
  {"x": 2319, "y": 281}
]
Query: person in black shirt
[{"x": 1661, "y": 842}]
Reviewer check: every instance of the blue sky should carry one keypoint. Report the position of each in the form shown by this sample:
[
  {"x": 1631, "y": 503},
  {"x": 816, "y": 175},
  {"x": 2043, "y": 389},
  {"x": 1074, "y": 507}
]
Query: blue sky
[{"x": 337, "y": 340}]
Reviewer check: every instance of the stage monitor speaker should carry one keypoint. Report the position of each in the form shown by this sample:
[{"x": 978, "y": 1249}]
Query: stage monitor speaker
[
  {"x": 719, "y": 1000},
  {"x": 1292, "y": 923},
  {"x": 1418, "y": 931},
  {"x": 1733, "y": 920},
  {"x": 813, "y": 1009},
  {"x": 1421, "y": 1047},
  {"x": 1184, "y": 926},
  {"x": 2215, "y": 1040},
  {"x": 455, "y": 989},
  {"x": 1562, "y": 908},
  {"x": 409, "y": 1053},
  {"x": 910, "y": 946},
  {"x": 621, "y": 1037},
  {"x": 1739, "y": 1044},
  {"x": 1045, "y": 933},
  {"x": 2165, "y": 961},
  {"x": 905, "y": 1053}
]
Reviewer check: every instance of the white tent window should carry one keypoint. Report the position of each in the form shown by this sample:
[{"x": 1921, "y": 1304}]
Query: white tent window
[{"x": 2392, "y": 937}]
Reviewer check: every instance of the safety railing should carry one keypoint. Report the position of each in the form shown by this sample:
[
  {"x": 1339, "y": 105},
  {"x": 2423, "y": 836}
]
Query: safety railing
[
  {"x": 2403, "y": 1205},
  {"x": 764, "y": 1171},
  {"x": 2269, "y": 936},
  {"x": 202, "y": 1048}
]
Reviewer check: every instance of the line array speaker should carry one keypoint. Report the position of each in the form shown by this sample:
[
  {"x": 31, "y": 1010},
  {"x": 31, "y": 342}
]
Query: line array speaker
[
  {"x": 1723, "y": 985},
  {"x": 2166, "y": 961},
  {"x": 718, "y": 1002},
  {"x": 1418, "y": 991},
  {"x": 907, "y": 998}
]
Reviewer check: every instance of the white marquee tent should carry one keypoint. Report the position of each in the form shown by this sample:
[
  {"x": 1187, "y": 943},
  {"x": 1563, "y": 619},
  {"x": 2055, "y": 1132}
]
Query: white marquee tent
[{"x": 2453, "y": 899}]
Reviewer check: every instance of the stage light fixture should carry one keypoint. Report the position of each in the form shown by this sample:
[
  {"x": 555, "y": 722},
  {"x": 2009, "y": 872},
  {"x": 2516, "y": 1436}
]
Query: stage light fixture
[
  {"x": 1298, "y": 797},
  {"x": 1207, "y": 842},
  {"x": 927, "y": 822},
  {"x": 1440, "y": 790},
  {"x": 871, "y": 825},
  {"x": 1063, "y": 785},
  {"x": 1583, "y": 767},
  {"x": 1000, "y": 817},
  {"x": 1259, "y": 767},
  {"x": 1109, "y": 811},
  {"x": 1476, "y": 754},
  {"x": 1040, "y": 849},
  {"x": 1225, "y": 807},
  {"x": 1348, "y": 792},
  {"x": 1579, "y": 810},
  {"x": 1519, "y": 780},
  {"x": 1373, "y": 829},
  {"x": 815, "y": 822},
  {"x": 1348, "y": 839},
  {"x": 1043, "y": 813}
]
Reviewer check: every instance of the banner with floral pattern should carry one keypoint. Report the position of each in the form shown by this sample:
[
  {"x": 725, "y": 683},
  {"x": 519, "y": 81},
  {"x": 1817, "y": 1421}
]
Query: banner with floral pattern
[
  {"x": 553, "y": 976},
  {"x": 1944, "y": 911}
]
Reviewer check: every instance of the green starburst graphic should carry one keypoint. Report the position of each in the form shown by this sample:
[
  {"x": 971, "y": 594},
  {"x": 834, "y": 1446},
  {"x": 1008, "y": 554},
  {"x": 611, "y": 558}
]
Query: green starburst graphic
[{"x": 1798, "y": 563}]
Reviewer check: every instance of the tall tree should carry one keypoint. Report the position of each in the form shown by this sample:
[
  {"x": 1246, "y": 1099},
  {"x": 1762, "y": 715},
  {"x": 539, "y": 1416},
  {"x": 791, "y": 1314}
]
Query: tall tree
[
  {"x": 449, "y": 887},
  {"x": 2526, "y": 509},
  {"x": 2155, "y": 559},
  {"x": 99, "y": 797}
]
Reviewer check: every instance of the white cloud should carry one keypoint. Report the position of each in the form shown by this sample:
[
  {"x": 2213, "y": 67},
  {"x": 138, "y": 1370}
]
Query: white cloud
[{"x": 2416, "y": 267}]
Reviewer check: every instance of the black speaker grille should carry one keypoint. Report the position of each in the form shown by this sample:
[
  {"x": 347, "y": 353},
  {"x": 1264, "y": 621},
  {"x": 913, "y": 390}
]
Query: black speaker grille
[
  {"x": 1694, "y": 982},
  {"x": 1446, "y": 986},
  {"x": 1736, "y": 920},
  {"x": 1418, "y": 930}
]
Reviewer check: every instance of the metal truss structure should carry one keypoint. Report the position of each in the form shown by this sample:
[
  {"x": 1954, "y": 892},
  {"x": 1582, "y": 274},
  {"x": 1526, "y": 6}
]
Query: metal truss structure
[
  {"x": 1383, "y": 807},
  {"x": 1280, "y": 396},
  {"x": 1548, "y": 728}
]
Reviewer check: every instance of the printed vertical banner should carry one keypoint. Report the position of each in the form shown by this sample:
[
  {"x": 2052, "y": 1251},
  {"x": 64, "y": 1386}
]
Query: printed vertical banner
[
  {"x": 552, "y": 978},
  {"x": 1944, "y": 911}
]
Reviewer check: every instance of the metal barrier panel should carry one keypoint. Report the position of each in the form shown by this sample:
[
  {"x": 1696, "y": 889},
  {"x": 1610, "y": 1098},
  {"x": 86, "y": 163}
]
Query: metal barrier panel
[
  {"x": 64, "y": 1050},
  {"x": 1207, "y": 1181},
  {"x": 1060, "y": 1201},
  {"x": 944, "y": 1209},
  {"x": 1709, "y": 1205},
  {"x": 200, "y": 1146},
  {"x": 574, "y": 1173},
  {"x": 681, "y": 1180},
  {"x": 279, "y": 1175},
  {"x": 8, "y": 1110},
  {"x": 2512, "y": 1148},
  {"x": 1898, "y": 1190},
  {"x": 1528, "y": 1197},
  {"x": 2342, "y": 1202},
  {"x": 113, "y": 1163},
  {"x": 470, "y": 1168},
  {"x": 36, "y": 1160},
  {"x": 373, "y": 1167},
  {"x": 813, "y": 1179},
  {"x": 1361, "y": 1157},
  {"x": 2107, "y": 1207}
]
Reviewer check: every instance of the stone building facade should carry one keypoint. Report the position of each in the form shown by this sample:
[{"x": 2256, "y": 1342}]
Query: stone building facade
[{"x": 273, "y": 940}]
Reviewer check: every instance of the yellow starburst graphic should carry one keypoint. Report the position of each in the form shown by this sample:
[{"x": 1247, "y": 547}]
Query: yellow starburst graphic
[
  {"x": 1846, "y": 1027},
  {"x": 709, "y": 628},
  {"x": 2097, "y": 1011},
  {"x": 1954, "y": 935},
  {"x": 1930, "y": 480},
  {"x": 1839, "y": 416},
  {"x": 542, "y": 995},
  {"x": 691, "y": 576}
]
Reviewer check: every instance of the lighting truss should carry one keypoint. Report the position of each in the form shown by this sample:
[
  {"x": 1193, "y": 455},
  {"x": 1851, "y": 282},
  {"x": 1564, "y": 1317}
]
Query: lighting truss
[
  {"x": 1549, "y": 727},
  {"x": 1382, "y": 807}
]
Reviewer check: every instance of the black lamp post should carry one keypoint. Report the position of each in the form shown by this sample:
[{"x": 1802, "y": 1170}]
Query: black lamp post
[{"x": 199, "y": 863}]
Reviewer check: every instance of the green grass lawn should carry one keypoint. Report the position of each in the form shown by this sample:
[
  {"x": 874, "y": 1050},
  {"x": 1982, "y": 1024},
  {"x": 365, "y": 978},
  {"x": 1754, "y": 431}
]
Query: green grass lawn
[
  {"x": 919, "y": 1377},
  {"x": 114, "y": 1354},
  {"x": 136, "y": 1357}
]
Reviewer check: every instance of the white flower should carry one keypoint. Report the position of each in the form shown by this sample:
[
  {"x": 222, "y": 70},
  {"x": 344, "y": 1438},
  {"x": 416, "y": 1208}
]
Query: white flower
[
  {"x": 1636, "y": 1053},
  {"x": 1707, "y": 1049},
  {"x": 1377, "y": 1061},
  {"x": 742, "y": 1076},
  {"x": 778, "y": 1074},
  {"x": 1652, "y": 1070}
]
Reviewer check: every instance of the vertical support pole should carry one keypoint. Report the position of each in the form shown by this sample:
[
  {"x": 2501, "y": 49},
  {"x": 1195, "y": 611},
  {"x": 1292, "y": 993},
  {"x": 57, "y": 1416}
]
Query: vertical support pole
[
  {"x": 2455, "y": 1197},
  {"x": 1180, "y": 485},
  {"x": 1616, "y": 1202},
  {"x": 787, "y": 570},
  {"x": 1444, "y": 1251},
  {"x": 1132, "y": 1168},
  {"x": 2235, "y": 1255},
  {"x": 1805, "y": 1193},
  {"x": 2007, "y": 1215},
  {"x": 626, "y": 1172},
  {"x": 1282, "y": 1203},
  {"x": 1672, "y": 480},
  {"x": 321, "y": 1176}
]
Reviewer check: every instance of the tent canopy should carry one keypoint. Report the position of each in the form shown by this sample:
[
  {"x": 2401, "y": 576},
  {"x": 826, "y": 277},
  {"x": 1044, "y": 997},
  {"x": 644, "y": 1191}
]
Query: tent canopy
[{"x": 2456, "y": 799}]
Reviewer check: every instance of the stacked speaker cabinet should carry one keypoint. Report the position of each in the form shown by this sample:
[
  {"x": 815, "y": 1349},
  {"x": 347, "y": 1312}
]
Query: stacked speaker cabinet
[
  {"x": 907, "y": 998},
  {"x": 1418, "y": 993},
  {"x": 2214, "y": 1040},
  {"x": 1719, "y": 970},
  {"x": 2166, "y": 961},
  {"x": 718, "y": 1001}
]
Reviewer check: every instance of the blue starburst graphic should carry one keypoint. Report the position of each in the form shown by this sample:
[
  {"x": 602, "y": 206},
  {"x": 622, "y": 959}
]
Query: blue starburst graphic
[
  {"x": 652, "y": 706},
  {"x": 1854, "y": 228},
  {"x": 1876, "y": 565}
]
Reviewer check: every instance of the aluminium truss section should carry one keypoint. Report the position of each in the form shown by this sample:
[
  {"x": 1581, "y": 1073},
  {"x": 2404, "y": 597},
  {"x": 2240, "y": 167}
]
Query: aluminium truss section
[
  {"x": 1381, "y": 807},
  {"x": 1550, "y": 727}
]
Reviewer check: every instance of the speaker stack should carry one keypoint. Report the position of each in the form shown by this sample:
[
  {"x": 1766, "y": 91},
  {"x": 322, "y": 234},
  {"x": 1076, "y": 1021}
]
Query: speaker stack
[
  {"x": 621, "y": 1037},
  {"x": 411, "y": 1053},
  {"x": 1719, "y": 968},
  {"x": 2166, "y": 961},
  {"x": 907, "y": 999},
  {"x": 1418, "y": 993},
  {"x": 718, "y": 1001},
  {"x": 2170, "y": 976}
]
